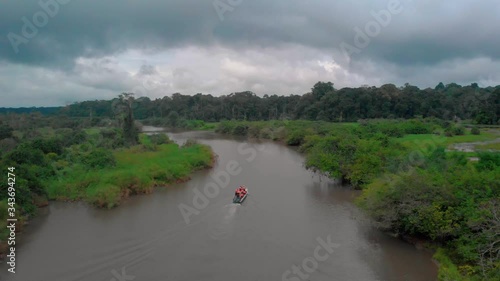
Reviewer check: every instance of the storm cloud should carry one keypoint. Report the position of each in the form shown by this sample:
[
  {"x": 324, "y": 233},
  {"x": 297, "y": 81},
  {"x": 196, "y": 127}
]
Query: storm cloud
[{"x": 97, "y": 49}]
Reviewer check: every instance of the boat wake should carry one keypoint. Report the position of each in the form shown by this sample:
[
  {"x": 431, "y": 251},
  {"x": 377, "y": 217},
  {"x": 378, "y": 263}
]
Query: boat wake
[{"x": 224, "y": 228}]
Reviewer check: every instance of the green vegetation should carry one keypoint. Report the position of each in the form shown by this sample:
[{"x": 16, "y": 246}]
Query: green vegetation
[
  {"x": 176, "y": 122},
  {"x": 448, "y": 271},
  {"x": 323, "y": 103},
  {"x": 65, "y": 159},
  {"x": 408, "y": 140},
  {"x": 138, "y": 170},
  {"x": 74, "y": 165},
  {"x": 411, "y": 186},
  {"x": 489, "y": 146}
]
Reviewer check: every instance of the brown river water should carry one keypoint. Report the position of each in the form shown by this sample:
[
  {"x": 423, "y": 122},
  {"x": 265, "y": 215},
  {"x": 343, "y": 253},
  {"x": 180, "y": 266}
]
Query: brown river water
[{"x": 294, "y": 225}]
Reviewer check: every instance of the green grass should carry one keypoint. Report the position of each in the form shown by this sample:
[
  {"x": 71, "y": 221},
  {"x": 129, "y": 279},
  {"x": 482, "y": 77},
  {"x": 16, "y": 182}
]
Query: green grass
[
  {"x": 207, "y": 126},
  {"x": 484, "y": 136},
  {"x": 92, "y": 131},
  {"x": 448, "y": 271},
  {"x": 492, "y": 146},
  {"x": 145, "y": 140},
  {"x": 136, "y": 172},
  {"x": 412, "y": 141}
]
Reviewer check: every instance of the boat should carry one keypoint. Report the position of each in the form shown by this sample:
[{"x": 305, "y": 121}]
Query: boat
[{"x": 239, "y": 200}]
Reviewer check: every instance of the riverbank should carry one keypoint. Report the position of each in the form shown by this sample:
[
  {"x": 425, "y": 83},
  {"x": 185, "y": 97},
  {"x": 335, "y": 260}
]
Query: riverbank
[
  {"x": 411, "y": 184},
  {"x": 137, "y": 171},
  {"x": 104, "y": 177}
]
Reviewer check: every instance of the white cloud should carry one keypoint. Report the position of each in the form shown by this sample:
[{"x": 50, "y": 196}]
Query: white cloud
[{"x": 290, "y": 69}]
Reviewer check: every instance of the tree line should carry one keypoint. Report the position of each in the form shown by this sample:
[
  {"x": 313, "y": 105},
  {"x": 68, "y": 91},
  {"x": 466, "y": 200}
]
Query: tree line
[{"x": 324, "y": 102}]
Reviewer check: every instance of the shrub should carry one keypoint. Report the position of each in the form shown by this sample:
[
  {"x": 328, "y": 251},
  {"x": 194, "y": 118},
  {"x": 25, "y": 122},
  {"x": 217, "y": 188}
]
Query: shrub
[
  {"x": 159, "y": 139},
  {"x": 190, "y": 142},
  {"x": 111, "y": 138},
  {"x": 240, "y": 130},
  {"x": 225, "y": 127},
  {"x": 458, "y": 130},
  {"x": 99, "y": 158},
  {"x": 295, "y": 138},
  {"x": 475, "y": 131},
  {"x": 26, "y": 154},
  {"x": 416, "y": 127},
  {"x": 254, "y": 131},
  {"x": 447, "y": 270},
  {"x": 488, "y": 161},
  {"x": 103, "y": 195},
  {"x": 48, "y": 145}
]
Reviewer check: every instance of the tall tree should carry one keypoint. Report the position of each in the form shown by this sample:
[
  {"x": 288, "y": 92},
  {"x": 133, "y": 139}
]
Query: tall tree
[{"x": 123, "y": 109}]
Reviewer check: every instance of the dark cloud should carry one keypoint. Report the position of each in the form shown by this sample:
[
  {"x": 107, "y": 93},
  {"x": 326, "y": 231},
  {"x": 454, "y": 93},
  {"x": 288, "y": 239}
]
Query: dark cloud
[
  {"x": 425, "y": 32},
  {"x": 100, "y": 45}
]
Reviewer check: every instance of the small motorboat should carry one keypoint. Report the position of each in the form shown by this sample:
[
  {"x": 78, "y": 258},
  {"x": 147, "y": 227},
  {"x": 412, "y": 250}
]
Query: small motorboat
[{"x": 240, "y": 197}]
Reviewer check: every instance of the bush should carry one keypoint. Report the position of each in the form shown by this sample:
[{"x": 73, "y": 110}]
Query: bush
[
  {"x": 475, "y": 131},
  {"x": 99, "y": 158},
  {"x": 416, "y": 127},
  {"x": 103, "y": 195},
  {"x": 25, "y": 154},
  {"x": 295, "y": 138},
  {"x": 458, "y": 130},
  {"x": 111, "y": 138},
  {"x": 190, "y": 142},
  {"x": 225, "y": 127},
  {"x": 254, "y": 131},
  {"x": 488, "y": 161},
  {"x": 240, "y": 130},
  {"x": 159, "y": 139},
  {"x": 454, "y": 131},
  {"x": 447, "y": 270}
]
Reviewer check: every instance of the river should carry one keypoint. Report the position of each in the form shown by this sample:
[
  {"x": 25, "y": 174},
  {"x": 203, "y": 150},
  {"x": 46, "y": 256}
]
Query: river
[{"x": 294, "y": 225}]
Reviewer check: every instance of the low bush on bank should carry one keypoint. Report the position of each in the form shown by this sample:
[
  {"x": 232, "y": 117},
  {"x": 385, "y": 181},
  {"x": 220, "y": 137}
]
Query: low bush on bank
[
  {"x": 448, "y": 271},
  {"x": 175, "y": 122},
  {"x": 449, "y": 201}
]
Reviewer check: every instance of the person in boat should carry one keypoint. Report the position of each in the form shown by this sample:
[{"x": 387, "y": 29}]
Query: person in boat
[{"x": 238, "y": 192}]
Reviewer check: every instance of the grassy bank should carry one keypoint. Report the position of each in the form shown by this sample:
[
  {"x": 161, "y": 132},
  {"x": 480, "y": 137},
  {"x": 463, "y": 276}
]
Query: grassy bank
[
  {"x": 486, "y": 135},
  {"x": 93, "y": 166},
  {"x": 138, "y": 170},
  {"x": 411, "y": 185}
]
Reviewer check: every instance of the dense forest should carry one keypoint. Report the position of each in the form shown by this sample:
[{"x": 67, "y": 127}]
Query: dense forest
[{"x": 323, "y": 102}]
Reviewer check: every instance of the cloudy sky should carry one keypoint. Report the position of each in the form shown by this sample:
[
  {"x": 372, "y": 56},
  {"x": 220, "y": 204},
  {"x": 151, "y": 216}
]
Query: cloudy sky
[{"x": 72, "y": 50}]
